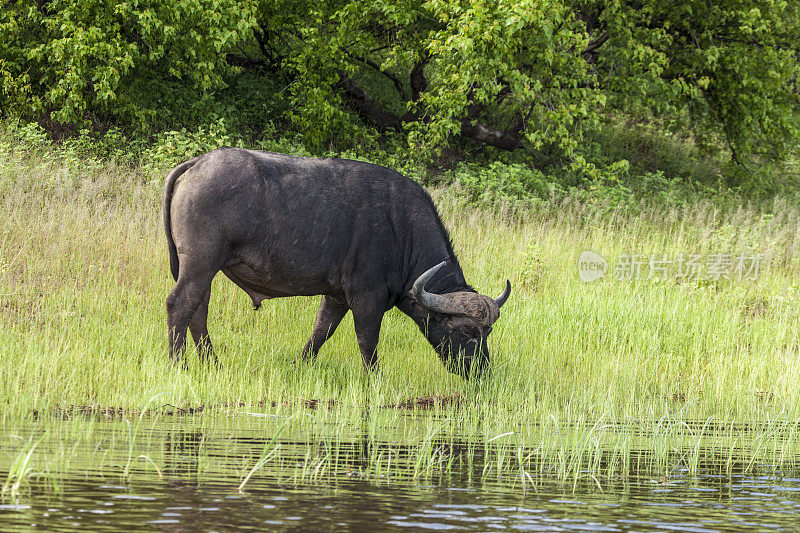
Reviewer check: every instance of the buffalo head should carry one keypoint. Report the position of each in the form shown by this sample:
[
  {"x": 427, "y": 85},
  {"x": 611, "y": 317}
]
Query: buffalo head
[{"x": 459, "y": 323}]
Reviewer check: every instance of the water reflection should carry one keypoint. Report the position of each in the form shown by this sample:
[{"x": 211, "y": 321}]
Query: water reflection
[
  {"x": 363, "y": 506},
  {"x": 182, "y": 453},
  {"x": 202, "y": 468}
]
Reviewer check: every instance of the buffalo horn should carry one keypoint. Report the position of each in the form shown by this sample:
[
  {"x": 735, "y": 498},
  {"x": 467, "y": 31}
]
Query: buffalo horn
[
  {"x": 434, "y": 302},
  {"x": 500, "y": 300}
]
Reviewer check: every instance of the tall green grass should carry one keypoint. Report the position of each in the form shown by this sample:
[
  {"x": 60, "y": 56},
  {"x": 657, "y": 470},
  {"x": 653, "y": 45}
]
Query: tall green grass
[{"x": 84, "y": 277}]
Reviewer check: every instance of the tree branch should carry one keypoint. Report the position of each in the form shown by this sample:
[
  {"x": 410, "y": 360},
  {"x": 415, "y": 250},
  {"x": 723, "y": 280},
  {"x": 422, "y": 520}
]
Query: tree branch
[
  {"x": 261, "y": 38},
  {"x": 417, "y": 78},
  {"x": 509, "y": 139},
  {"x": 418, "y": 84},
  {"x": 397, "y": 84},
  {"x": 594, "y": 45},
  {"x": 360, "y": 100},
  {"x": 246, "y": 62}
]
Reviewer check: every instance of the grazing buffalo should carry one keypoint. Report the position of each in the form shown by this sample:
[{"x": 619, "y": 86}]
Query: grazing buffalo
[{"x": 364, "y": 237}]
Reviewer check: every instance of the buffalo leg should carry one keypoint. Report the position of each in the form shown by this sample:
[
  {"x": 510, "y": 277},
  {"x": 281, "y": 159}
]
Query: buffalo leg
[
  {"x": 367, "y": 317},
  {"x": 199, "y": 328},
  {"x": 184, "y": 299},
  {"x": 330, "y": 314}
]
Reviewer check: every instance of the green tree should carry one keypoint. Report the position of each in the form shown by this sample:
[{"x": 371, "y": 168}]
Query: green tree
[
  {"x": 536, "y": 73},
  {"x": 725, "y": 68},
  {"x": 72, "y": 60},
  {"x": 531, "y": 74},
  {"x": 500, "y": 72}
]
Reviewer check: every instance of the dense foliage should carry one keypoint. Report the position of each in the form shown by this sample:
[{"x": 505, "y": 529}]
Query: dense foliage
[{"x": 533, "y": 76}]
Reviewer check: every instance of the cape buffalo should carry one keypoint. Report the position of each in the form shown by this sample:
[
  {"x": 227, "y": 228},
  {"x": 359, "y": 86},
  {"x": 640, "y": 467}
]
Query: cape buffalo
[{"x": 364, "y": 237}]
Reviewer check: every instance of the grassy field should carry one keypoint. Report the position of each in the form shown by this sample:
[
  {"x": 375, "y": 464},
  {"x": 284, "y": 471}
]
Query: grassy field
[{"x": 84, "y": 277}]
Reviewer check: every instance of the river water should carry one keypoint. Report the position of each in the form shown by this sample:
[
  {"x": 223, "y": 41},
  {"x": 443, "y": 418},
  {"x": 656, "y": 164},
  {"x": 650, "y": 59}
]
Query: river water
[
  {"x": 186, "y": 481},
  {"x": 97, "y": 505}
]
